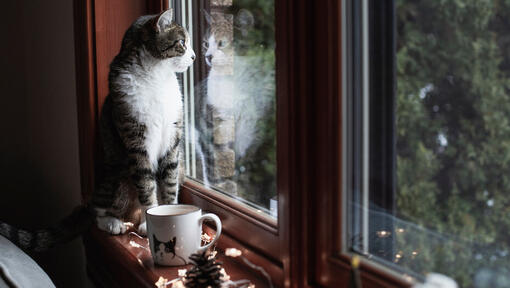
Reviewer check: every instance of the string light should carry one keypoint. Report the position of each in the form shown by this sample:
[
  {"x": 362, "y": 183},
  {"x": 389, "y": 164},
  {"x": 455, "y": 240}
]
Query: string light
[
  {"x": 178, "y": 284},
  {"x": 182, "y": 272},
  {"x": 213, "y": 254},
  {"x": 225, "y": 276},
  {"x": 233, "y": 252},
  {"x": 161, "y": 283},
  {"x": 206, "y": 238}
]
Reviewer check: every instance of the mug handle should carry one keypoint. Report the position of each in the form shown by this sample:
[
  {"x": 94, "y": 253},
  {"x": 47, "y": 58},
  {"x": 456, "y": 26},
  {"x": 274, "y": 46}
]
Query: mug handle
[{"x": 216, "y": 219}]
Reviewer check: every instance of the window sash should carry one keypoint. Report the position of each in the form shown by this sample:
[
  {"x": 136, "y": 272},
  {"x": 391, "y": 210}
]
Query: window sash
[
  {"x": 240, "y": 221},
  {"x": 365, "y": 160},
  {"x": 309, "y": 118}
]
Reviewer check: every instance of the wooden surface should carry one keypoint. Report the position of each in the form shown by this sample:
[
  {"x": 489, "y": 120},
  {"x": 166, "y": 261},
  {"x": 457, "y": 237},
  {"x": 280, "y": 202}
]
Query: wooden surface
[
  {"x": 112, "y": 19},
  {"x": 113, "y": 262}
]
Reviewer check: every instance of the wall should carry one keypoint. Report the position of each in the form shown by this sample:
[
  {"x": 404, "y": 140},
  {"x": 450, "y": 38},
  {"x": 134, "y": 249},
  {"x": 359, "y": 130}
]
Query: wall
[{"x": 39, "y": 167}]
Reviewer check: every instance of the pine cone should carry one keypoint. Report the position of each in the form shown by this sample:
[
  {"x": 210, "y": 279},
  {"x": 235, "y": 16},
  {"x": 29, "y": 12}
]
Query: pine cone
[{"x": 205, "y": 272}]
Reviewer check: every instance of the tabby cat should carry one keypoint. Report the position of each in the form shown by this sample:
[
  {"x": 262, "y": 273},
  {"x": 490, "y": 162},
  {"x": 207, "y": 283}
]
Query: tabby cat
[{"x": 141, "y": 130}]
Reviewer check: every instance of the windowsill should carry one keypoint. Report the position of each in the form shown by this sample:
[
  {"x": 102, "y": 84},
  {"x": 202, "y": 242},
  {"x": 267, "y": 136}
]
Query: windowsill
[{"x": 113, "y": 262}]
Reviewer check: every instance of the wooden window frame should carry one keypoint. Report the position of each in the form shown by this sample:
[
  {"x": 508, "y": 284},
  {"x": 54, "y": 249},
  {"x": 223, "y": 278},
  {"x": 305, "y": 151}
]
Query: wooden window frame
[{"x": 303, "y": 249}]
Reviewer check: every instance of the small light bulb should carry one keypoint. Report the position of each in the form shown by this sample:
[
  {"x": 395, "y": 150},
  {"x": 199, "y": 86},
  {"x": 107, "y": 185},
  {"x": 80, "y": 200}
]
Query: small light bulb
[
  {"x": 233, "y": 252},
  {"x": 182, "y": 272}
]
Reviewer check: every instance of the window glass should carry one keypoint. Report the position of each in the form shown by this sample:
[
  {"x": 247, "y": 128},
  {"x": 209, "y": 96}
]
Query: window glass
[
  {"x": 449, "y": 210},
  {"x": 231, "y": 103}
]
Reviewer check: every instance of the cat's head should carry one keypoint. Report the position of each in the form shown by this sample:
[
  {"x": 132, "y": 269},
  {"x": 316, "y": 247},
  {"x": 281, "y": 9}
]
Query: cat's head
[
  {"x": 166, "y": 39},
  {"x": 217, "y": 46}
]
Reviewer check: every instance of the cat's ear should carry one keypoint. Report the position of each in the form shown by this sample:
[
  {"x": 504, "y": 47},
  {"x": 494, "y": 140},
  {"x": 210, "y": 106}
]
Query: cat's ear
[
  {"x": 207, "y": 16},
  {"x": 165, "y": 20},
  {"x": 174, "y": 239},
  {"x": 244, "y": 21}
]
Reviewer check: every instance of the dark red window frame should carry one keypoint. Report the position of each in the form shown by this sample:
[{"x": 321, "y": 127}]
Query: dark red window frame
[{"x": 304, "y": 248}]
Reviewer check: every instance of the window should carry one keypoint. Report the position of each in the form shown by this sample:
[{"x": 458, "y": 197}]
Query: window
[
  {"x": 232, "y": 139},
  {"x": 304, "y": 247},
  {"x": 230, "y": 101},
  {"x": 430, "y": 137}
]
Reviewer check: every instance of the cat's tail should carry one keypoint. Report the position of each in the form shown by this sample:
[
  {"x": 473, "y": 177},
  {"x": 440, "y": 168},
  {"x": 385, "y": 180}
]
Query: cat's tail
[{"x": 41, "y": 240}]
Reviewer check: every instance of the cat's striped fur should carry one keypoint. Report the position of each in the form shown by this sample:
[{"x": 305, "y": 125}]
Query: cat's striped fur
[{"x": 141, "y": 131}]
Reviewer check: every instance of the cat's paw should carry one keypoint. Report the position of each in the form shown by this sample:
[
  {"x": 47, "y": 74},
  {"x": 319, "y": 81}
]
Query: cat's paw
[
  {"x": 142, "y": 228},
  {"x": 111, "y": 225}
]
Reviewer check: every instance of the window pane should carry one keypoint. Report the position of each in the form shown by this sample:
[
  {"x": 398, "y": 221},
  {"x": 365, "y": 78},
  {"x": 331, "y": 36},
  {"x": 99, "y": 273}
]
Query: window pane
[
  {"x": 450, "y": 209},
  {"x": 232, "y": 106}
]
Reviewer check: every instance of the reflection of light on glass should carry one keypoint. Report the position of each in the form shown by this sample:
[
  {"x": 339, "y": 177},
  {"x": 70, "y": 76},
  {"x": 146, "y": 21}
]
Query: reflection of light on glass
[
  {"x": 129, "y": 224},
  {"x": 398, "y": 256},
  {"x": 401, "y": 230},
  {"x": 383, "y": 233}
]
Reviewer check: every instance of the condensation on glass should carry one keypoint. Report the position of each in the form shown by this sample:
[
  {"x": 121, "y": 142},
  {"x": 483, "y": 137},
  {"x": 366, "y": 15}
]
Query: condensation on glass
[
  {"x": 230, "y": 101},
  {"x": 451, "y": 202}
]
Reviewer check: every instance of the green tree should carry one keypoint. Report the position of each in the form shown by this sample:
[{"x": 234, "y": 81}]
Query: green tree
[{"x": 453, "y": 134}]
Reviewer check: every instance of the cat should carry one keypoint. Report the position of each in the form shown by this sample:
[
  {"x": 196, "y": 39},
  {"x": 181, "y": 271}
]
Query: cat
[
  {"x": 236, "y": 86},
  {"x": 161, "y": 248},
  {"x": 141, "y": 129},
  {"x": 167, "y": 247}
]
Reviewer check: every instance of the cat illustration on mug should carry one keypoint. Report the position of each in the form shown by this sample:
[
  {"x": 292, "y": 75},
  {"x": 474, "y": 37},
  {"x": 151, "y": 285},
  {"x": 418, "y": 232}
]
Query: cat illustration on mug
[
  {"x": 161, "y": 248},
  {"x": 164, "y": 247}
]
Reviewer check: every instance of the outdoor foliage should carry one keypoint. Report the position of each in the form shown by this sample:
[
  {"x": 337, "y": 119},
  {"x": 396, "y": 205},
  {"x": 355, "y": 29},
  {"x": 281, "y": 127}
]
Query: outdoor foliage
[{"x": 453, "y": 139}]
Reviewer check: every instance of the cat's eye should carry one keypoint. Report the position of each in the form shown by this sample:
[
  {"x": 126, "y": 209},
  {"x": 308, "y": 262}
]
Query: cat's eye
[
  {"x": 181, "y": 42},
  {"x": 222, "y": 44},
  {"x": 205, "y": 44}
]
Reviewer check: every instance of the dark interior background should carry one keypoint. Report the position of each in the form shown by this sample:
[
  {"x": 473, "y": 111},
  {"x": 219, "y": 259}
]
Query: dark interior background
[{"x": 39, "y": 168}]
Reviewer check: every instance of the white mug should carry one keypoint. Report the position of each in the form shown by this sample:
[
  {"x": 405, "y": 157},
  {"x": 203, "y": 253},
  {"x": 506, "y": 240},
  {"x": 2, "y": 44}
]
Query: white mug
[{"x": 175, "y": 232}]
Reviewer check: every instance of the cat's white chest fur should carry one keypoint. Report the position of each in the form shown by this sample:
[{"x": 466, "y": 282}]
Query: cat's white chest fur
[{"x": 155, "y": 99}]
